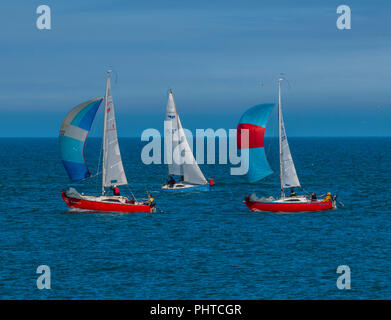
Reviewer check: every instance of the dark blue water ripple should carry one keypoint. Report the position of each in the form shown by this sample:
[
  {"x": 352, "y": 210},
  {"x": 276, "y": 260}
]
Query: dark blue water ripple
[{"x": 204, "y": 245}]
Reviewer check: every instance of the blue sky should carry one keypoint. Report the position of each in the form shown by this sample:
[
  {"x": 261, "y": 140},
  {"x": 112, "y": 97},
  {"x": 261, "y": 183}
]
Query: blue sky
[{"x": 214, "y": 54}]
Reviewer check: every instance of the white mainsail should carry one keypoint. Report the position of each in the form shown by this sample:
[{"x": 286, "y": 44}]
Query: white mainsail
[
  {"x": 288, "y": 173},
  {"x": 179, "y": 146},
  {"x": 113, "y": 169},
  {"x": 172, "y": 138}
]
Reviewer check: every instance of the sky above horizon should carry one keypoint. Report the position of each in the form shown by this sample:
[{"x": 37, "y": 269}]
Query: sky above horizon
[{"x": 219, "y": 57}]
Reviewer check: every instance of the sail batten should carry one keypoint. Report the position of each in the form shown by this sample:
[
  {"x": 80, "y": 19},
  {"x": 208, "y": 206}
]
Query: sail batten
[
  {"x": 72, "y": 136},
  {"x": 113, "y": 170}
]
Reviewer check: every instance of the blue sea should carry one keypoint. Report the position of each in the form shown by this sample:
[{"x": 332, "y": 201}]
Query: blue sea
[{"x": 202, "y": 245}]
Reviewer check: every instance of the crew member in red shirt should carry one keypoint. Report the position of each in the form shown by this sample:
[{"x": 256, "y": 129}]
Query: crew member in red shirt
[{"x": 115, "y": 190}]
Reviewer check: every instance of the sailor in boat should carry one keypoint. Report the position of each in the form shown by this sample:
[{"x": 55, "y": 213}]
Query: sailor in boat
[
  {"x": 293, "y": 193},
  {"x": 328, "y": 197},
  {"x": 171, "y": 182},
  {"x": 150, "y": 198},
  {"x": 115, "y": 190},
  {"x": 313, "y": 196}
]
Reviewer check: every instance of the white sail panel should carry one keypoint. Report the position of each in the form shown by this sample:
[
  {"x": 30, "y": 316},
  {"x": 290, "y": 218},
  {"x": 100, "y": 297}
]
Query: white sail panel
[
  {"x": 113, "y": 170},
  {"x": 172, "y": 138},
  {"x": 289, "y": 177},
  {"x": 191, "y": 171}
]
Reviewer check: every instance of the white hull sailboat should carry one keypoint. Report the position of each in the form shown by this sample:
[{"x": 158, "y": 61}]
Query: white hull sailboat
[{"x": 189, "y": 176}]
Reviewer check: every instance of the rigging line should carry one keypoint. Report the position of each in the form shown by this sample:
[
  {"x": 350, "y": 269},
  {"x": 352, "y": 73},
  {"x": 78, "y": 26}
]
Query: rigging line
[
  {"x": 95, "y": 175},
  {"x": 305, "y": 190},
  {"x": 146, "y": 189},
  {"x": 130, "y": 190}
]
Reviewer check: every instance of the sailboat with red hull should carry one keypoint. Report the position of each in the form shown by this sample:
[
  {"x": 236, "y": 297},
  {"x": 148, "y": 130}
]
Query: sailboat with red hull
[
  {"x": 73, "y": 134},
  {"x": 104, "y": 204},
  {"x": 254, "y": 120},
  {"x": 294, "y": 204}
]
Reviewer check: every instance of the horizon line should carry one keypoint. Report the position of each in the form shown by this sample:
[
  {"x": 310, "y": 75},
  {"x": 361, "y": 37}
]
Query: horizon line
[{"x": 139, "y": 137}]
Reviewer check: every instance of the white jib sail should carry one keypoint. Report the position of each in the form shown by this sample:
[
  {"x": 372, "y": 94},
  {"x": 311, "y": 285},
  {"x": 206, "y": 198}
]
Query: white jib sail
[
  {"x": 113, "y": 169},
  {"x": 191, "y": 171},
  {"x": 288, "y": 173},
  {"x": 183, "y": 161}
]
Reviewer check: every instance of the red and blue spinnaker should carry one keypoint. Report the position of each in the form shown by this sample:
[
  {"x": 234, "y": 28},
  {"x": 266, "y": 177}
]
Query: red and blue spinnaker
[
  {"x": 251, "y": 129},
  {"x": 73, "y": 134}
]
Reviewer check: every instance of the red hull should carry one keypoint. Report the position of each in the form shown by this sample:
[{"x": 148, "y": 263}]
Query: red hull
[
  {"x": 105, "y": 207},
  {"x": 288, "y": 207}
]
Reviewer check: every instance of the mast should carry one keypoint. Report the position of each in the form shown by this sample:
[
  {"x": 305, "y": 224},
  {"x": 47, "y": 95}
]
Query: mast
[
  {"x": 172, "y": 133},
  {"x": 104, "y": 133},
  {"x": 280, "y": 136}
]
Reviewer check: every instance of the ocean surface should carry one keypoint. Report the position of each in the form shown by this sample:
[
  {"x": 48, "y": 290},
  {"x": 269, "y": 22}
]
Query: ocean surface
[{"x": 202, "y": 245}]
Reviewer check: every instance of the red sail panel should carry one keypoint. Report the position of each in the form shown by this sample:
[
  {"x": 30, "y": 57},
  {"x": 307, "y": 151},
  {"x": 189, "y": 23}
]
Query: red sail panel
[{"x": 253, "y": 138}]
